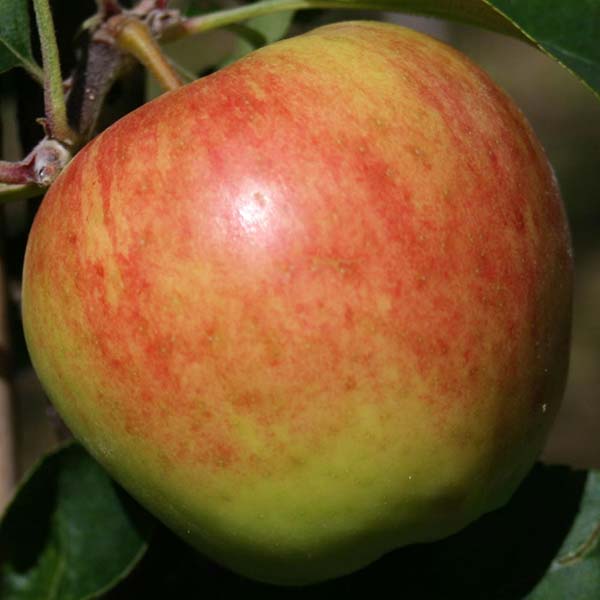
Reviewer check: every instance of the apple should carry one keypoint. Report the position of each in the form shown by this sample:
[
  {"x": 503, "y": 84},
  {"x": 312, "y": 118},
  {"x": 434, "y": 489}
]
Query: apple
[{"x": 313, "y": 307}]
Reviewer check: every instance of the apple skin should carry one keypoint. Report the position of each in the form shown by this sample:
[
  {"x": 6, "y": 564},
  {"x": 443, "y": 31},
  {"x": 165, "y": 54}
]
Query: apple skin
[{"x": 313, "y": 307}]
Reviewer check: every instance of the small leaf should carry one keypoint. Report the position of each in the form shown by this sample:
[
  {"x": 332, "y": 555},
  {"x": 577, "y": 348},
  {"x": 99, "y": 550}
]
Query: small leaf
[
  {"x": 258, "y": 32},
  {"x": 70, "y": 533},
  {"x": 575, "y": 573},
  {"x": 196, "y": 7},
  {"x": 253, "y": 37},
  {"x": 10, "y": 192},
  {"x": 566, "y": 30},
  {"x": 15, "y": 44}
]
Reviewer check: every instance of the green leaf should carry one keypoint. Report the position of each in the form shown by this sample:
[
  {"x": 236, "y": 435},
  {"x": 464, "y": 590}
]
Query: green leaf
[
  {"x": 196, "y": 7},
  {"x": 258, "y": 32},
  {"x": 15, "y": 44},
  {"x": 575, "y": 573},
  {"x": 70, "y": 533},
  {"x": 10, "y": 192},
  {"x": 566, "y": 30}
]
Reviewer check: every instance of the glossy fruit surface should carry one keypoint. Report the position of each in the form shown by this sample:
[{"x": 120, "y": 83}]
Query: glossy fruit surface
[{"x": 312, "y": 307}]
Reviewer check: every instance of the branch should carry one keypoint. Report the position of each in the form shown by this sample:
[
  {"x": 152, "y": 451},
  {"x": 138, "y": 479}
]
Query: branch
[
  {"x": 40, "y": 167},
  {"x": 115, "y": 37},
  {"x": 102, "y": 64},
  {"x": 15, "y": 172}
]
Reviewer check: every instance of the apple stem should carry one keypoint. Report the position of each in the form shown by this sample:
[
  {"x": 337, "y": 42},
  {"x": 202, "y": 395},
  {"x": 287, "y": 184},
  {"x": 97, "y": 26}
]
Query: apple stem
[{"x": 134, "y": 37}]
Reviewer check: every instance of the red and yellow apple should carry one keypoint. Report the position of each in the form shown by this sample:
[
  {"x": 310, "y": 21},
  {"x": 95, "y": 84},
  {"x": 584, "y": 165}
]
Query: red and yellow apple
[{"x": 313, "y": 307}]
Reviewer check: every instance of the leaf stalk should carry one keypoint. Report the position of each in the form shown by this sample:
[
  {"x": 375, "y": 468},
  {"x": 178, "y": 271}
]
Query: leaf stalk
[
  {"x": 54, "y": 96},
  {"x": 480, "y": 14}
]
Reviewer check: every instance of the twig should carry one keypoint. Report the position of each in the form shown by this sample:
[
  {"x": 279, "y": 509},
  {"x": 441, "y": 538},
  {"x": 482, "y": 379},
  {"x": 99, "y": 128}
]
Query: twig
[
  {"x": 40, "y": 167},
  {"x": 115, "y": 37},
  {"x": 15, "y": 172},
  {"x": 102, "y": 64}
]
